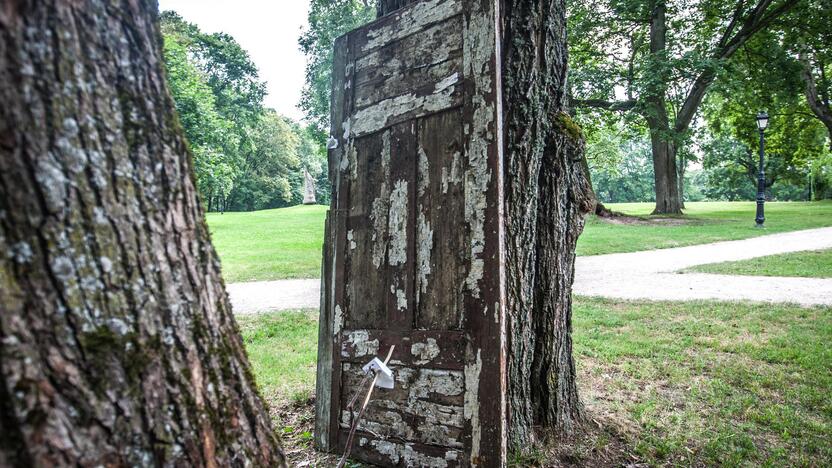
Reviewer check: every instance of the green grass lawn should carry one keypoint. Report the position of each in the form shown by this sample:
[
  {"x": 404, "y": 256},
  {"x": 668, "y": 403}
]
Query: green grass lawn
[
  {"x": 809, "y": 264},
  {"x": 703, "y": 222},
  {"x": 286, "y": 243},
  {"x": 692, "y": 383},
  {"x": 270, "y": 244},
  {"x": 283, "y": 349}
]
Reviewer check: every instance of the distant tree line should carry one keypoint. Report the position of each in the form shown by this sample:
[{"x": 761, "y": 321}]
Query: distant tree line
[{"x": 246, "y": 156}]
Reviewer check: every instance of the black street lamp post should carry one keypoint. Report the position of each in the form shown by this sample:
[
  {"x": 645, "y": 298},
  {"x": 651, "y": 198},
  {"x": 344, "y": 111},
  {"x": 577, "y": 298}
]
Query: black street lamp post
[{"x": 762, "y": 123}]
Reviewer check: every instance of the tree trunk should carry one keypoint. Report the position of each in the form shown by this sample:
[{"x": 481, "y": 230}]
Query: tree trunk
[
  {"x": 547, "y": 195},
  {"x": 664, "y": 167},
  {"x": 664, "y": 151},
  {"x": 117, "y": 342},
  {"x": 819, "y": 106},
  {"x": 682, "y": 167}
]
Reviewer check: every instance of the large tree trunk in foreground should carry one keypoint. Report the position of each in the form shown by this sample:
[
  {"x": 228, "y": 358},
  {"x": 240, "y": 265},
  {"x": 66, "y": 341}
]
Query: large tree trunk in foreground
[
  {"x": 547, "y": 195},
  {"x": 117, "y": 342}
]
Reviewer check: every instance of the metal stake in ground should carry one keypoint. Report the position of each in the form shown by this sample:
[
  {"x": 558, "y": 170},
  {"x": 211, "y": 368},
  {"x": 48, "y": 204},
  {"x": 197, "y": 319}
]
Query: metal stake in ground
[{"x": 357, "y": 420}]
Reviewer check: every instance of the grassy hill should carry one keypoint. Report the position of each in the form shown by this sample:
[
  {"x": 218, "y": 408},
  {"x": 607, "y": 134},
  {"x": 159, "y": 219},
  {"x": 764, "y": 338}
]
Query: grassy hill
[{"x": 286, "y": 243}]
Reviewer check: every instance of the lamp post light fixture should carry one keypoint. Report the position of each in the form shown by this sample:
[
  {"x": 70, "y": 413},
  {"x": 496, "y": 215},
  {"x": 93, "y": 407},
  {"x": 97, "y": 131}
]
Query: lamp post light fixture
[{"x": 762, "y": 123}]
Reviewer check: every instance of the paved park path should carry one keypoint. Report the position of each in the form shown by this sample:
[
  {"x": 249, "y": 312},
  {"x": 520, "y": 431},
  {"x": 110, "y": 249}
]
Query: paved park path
[{"x": 651, "y": 274}]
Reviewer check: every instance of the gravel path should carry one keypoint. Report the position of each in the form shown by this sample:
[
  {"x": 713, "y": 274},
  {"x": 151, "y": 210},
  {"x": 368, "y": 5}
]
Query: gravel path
[{"x": 640, "y": 275}]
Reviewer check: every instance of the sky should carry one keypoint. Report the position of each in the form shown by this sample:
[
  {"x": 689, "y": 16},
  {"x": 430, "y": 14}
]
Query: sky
[{"x": 268, "y": 30}]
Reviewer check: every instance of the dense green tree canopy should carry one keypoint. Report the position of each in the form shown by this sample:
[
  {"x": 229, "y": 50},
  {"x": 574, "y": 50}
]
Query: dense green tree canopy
[
  {"x": 246, "y": 157},
  {"x": 328, "y": 19},
  {"x": 656, "y": 60}
]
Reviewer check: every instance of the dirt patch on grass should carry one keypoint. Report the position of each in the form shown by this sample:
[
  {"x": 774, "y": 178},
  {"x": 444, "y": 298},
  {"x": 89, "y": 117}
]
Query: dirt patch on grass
[
  {"x": 650, "y": 221},
  {"x": 597, "y": 442},
  {"x": 296, "y": 427}
]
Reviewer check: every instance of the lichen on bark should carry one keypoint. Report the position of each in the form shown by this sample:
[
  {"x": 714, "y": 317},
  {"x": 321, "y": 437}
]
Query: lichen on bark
[{"x": 117, "y": 341}]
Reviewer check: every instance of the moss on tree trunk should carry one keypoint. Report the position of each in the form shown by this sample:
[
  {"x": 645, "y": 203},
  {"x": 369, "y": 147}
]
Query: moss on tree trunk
[
  {"x": 547, "y": 196},
  {"x": 117, "y": 342}
]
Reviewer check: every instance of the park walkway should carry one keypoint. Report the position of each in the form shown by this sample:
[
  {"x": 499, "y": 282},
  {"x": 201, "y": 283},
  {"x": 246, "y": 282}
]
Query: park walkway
[{"x": 651, "y": 274}]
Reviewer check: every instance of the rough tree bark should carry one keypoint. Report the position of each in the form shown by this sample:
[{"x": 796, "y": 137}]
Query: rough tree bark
[
  {"x": 117, "y": 342},
  {"x": 547, "y": 195}
]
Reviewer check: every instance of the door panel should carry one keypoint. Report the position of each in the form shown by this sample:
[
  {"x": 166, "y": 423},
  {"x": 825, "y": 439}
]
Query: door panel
[{"x": 413, "y": 245}]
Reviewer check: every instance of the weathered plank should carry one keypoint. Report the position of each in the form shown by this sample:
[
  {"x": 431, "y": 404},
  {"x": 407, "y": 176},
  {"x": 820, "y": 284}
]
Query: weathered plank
[
  {"x": 340, "y": 202},
  {"x": 400, "y": 227},
  {"x": 378, "y": 451},
  {"x": 419, "y": 61},
  {"x": 441, "y": 254},
  {"x": 323, "y": 382},
  {"x": 485, "y": 370},
  {"x": 403, "y": 23},
  {"x": 326, "y": 334},
  {"x": 422, "y": 101},
  {"x": 367, "y": 237},
  {"x": 424, "y": 407},
  {"x": 432, "y": 348}
]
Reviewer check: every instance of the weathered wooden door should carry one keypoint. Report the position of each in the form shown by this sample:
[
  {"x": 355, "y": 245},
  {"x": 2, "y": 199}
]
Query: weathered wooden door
[{"x": 413, "y": 244}]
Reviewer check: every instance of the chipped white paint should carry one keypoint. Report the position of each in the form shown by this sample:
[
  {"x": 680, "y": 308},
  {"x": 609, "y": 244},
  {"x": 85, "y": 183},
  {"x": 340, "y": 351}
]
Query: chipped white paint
[
  {"x": 424, "y": 249},
  {"x": 438, "y": 414},
  {"x": 437, "y": 434},
  {"x": 404, "y": 375},
  {"x": 338, "y": 321},
  {"x": 425, "y": 352},
  {"x": 435, "y": 37},
  {"x": 479, "y": 46},
  {"x": 472, "y": 403},
  {"x": 391, "y": 450},
  {"x": 359, "y": 341},
  {"x": 346, "y": 126},
  {"x": 351, "y": 239},
  {"x": 411, "y": 20},
  {"x": 401, "y": 298},
  {"x": 377, "y": 116},
  {"x": 379, "y": 210},
  {"x": 424, "y": 172},
  {"x": 446, "y": 83},
  {"x": 397, "y": 224},
  {"x": 384, "y": 423},
  {"x": 352, "y": 161},
  {"x": 442, "y": 382},
  {"x": 345, "y": 158},
  {"x": 452, "y": 177},
  {"x": 414, "y": 458}
]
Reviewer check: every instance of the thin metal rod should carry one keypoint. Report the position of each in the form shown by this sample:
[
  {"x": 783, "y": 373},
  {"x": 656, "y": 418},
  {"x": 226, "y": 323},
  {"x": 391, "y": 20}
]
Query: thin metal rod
[{"x": 357, "y": 420}]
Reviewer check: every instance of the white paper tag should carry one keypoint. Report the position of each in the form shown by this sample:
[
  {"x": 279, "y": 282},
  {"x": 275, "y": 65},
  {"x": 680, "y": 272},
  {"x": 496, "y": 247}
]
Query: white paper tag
[{"x": 385, "y": 375}]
